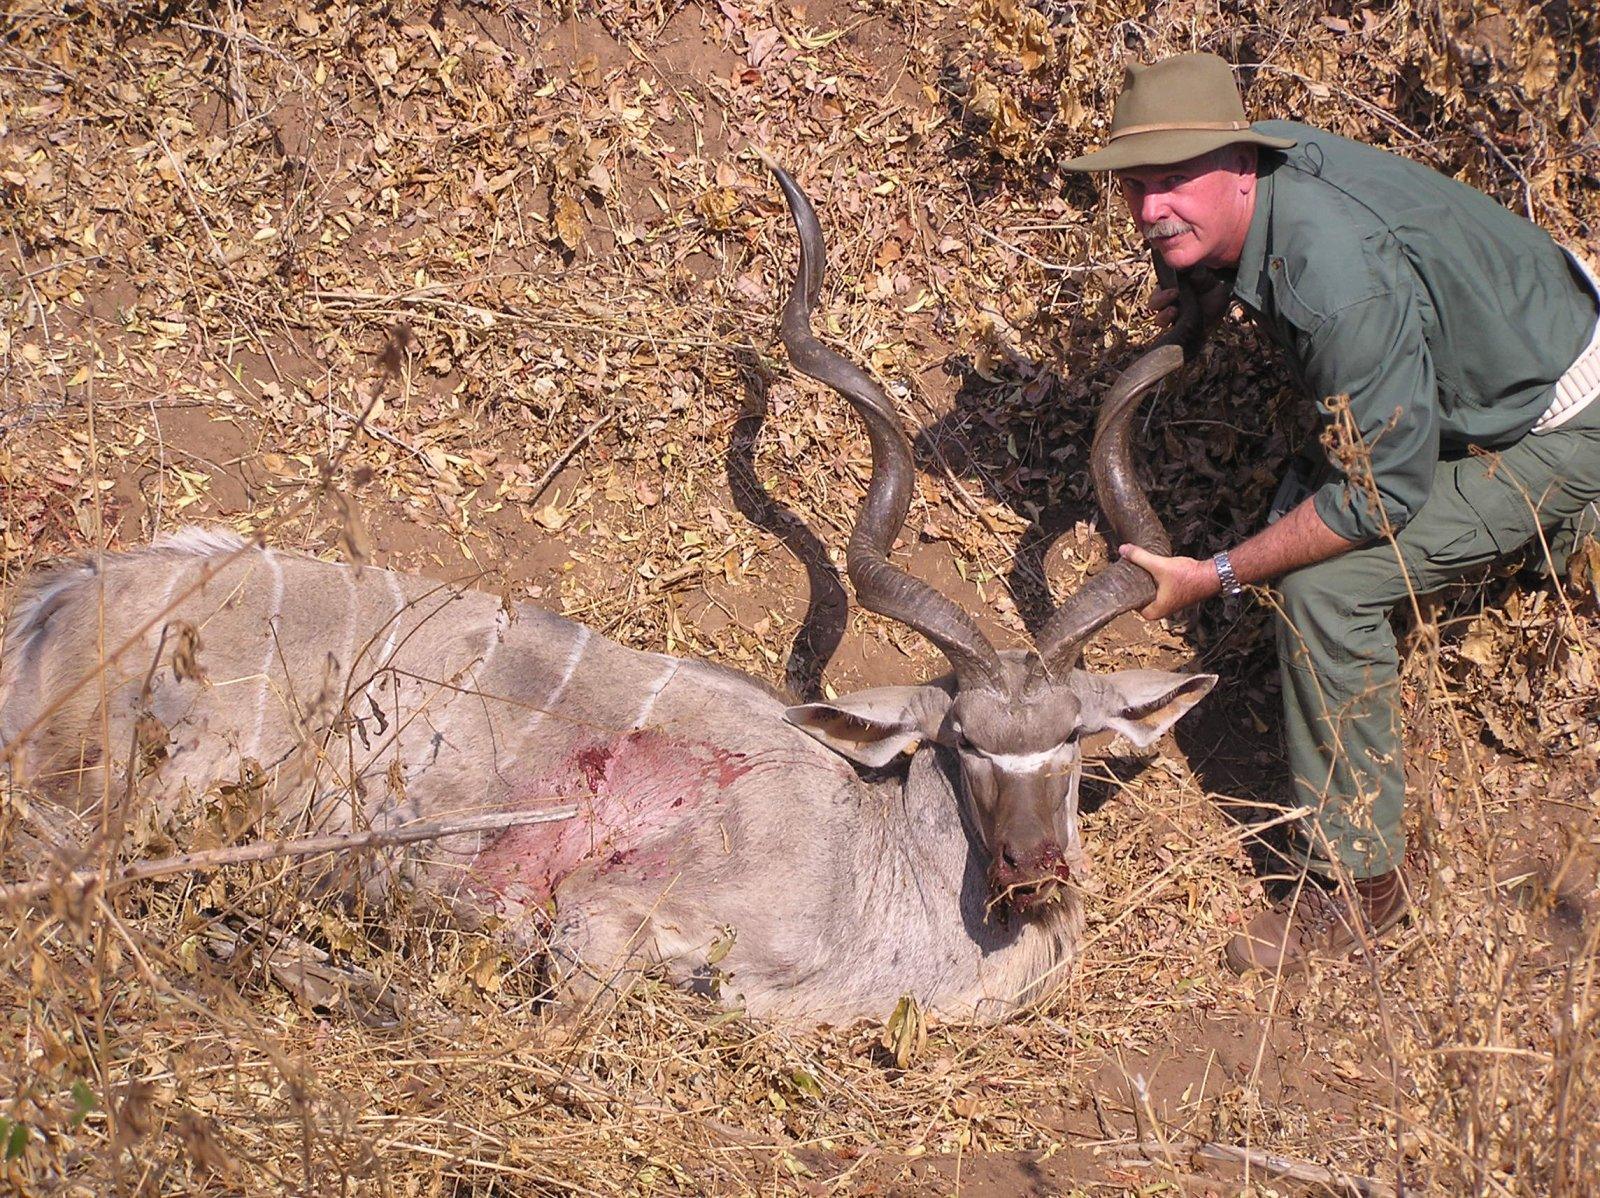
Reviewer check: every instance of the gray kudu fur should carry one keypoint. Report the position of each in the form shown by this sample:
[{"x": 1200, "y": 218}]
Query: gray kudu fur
[{"x": 904, "y": 840}]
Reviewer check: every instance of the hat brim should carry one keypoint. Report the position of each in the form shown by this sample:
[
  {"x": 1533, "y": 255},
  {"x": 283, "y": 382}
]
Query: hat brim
[{"x": 1166, "y": 146}]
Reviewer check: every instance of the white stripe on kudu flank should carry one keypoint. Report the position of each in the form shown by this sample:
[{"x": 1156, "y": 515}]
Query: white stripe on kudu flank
[
  {"x": 477, "y": 670},
  {"x": 352, "y": 609},
  {"x": 579, "y": 644},
  {"x": 655, "y": 692},
  {"x": 573, "y": 659},
  {"x": 497, "y": 637},
  {"x": 375, "y": 675},
  {"x": 174, "y": 577},
  {"x": 394, "y": 621},
  {"x": 274, "y": 614}
]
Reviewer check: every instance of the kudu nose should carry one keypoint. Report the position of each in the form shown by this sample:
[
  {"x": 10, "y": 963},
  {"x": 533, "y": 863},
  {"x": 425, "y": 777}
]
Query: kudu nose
[{"x": 1019, "y": 866}]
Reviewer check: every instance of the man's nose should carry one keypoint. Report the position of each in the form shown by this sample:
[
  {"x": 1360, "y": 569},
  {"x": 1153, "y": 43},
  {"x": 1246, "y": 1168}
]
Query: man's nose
[{"x": 1153, "y": 207}]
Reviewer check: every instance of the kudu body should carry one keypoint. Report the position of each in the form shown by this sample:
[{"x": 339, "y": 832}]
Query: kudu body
[{"x": 904, "y": 840}]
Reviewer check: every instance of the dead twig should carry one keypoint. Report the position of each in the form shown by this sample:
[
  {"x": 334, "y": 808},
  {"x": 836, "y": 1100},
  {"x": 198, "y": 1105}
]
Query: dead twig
[
  {"x": 269, "y": 850},
  {"x": 566, "y": 454},
  {"x": 362, "y": 425},
  {"x": 1272, "y": 1164}
]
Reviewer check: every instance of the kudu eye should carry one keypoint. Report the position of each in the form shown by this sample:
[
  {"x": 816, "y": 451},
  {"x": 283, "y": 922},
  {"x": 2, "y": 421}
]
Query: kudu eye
[{"x": 975, "y": 754}]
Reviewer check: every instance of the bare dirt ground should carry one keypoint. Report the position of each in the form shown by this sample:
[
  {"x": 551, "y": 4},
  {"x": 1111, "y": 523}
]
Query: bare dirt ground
[{"x": 489, "y": 290}]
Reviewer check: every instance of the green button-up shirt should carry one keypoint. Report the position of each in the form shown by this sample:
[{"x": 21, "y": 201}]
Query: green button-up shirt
[{"x": 1444, "y": 317}]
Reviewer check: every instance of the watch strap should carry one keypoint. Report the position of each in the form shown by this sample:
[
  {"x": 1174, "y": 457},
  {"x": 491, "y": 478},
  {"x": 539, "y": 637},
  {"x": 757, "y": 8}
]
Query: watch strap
[{"x": 1225, "y": 574}]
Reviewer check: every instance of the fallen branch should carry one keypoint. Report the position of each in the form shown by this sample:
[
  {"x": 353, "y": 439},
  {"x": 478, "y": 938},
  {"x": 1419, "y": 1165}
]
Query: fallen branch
[
  {"x": 565, "y": 456},
  {"x": 268, "y": 850},
  {"x": 384, "y": 435},
  {"x": 1271, "y": 1164}
]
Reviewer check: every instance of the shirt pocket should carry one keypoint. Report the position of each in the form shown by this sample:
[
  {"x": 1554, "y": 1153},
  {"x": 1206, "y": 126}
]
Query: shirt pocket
[
  {"x": 1289, "y": 320},
  {"x": 1291, "y": 308}
]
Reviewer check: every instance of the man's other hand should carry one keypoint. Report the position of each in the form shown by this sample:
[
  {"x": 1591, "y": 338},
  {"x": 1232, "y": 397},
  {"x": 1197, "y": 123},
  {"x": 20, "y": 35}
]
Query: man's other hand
[
  {"x": 1213, "y": 300},
  {"x": 1164, "y": 306},
  {"x": 1180, "y": 581}
]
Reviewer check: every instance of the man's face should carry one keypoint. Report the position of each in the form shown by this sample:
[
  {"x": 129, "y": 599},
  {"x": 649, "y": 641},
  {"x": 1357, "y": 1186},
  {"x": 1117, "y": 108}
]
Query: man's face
[{"x": 1195, "y": 212}]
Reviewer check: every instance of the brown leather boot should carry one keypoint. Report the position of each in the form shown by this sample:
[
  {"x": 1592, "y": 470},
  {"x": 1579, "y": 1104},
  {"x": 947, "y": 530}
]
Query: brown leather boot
[{"x": 1319, "y": 920}]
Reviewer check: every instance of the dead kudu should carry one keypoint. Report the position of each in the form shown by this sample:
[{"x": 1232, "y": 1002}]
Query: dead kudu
[{"x": 904, "y": 840}]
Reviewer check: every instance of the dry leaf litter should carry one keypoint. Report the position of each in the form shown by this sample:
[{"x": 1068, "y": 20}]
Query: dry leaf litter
[{"x": 489, "y": 290}]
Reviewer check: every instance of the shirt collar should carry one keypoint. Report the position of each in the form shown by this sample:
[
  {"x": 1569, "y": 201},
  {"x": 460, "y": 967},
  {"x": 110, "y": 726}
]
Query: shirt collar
[{"x": 1253, "y": 257}]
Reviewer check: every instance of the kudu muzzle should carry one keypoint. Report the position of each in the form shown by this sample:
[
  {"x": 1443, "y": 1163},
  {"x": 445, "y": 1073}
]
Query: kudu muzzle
[{"x": 1031, "y": 833}]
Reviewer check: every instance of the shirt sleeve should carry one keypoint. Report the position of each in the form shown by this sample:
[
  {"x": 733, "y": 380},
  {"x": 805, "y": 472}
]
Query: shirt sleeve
[{"x": 1373, "y": 352}]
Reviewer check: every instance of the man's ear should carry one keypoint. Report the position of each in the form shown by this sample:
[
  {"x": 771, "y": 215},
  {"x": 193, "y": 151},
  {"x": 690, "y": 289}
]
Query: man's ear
[
  {"x": 873, "y": 727},
  {"x": 1141, "y": 704}
]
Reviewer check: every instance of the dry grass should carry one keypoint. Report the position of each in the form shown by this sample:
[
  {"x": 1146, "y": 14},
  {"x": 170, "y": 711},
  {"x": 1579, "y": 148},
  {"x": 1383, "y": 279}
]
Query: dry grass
[{"x": 518, "y": 241}]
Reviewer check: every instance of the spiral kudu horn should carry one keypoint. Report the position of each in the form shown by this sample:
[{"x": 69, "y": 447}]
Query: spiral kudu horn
[
  {"x": 880, "y": 586},
  {"x": 1122, "y": 586}
]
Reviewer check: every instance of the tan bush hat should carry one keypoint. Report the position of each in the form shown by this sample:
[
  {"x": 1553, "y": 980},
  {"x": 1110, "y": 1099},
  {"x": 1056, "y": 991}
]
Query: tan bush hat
[{"x": 1171, "y": 111}]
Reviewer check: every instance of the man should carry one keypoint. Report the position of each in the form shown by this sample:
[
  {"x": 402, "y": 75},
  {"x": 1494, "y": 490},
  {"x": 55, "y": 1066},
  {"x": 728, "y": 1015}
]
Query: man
[{"x": 1428, "y": 324}]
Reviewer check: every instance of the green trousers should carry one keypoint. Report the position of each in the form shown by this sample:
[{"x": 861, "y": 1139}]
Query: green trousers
[{"x": 1336, "y": 648}]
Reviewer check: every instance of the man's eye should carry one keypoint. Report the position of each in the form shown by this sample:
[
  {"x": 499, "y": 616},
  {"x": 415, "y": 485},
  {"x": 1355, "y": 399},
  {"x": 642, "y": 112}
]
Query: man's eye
[{"x": 1173, "y": 182}]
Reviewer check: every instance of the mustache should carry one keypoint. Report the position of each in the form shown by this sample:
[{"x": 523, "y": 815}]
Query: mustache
[{"x": 1166, "y": 228}]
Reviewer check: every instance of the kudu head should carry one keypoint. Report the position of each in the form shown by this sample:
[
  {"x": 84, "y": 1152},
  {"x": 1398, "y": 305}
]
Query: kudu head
[{"x": 1014, "y": 719}]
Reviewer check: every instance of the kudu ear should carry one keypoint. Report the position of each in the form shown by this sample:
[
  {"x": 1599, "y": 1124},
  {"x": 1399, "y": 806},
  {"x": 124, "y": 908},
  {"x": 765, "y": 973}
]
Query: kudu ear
[
  {"x": 873, "y": 727},
  {"x": 1142, "y": 704}
]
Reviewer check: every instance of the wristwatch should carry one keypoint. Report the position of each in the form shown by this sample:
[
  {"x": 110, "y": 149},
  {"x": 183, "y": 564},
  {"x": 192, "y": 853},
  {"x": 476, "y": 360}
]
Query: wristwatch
[{"x": 1225, "y": 574}]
